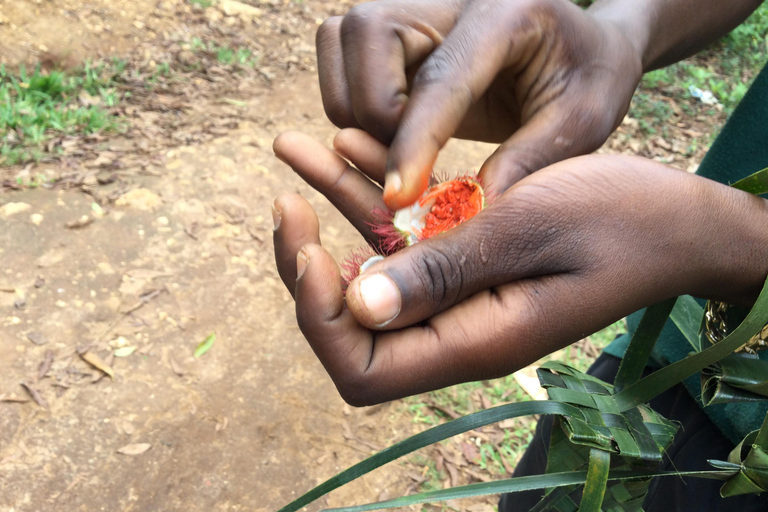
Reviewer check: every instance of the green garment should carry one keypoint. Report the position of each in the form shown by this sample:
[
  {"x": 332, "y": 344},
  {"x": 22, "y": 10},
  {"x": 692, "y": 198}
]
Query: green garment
[{"x": 740, "y": 150}]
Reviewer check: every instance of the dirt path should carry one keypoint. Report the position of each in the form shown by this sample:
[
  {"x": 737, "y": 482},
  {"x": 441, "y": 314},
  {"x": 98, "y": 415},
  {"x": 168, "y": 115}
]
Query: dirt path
[{"x": 182, "y": 255}]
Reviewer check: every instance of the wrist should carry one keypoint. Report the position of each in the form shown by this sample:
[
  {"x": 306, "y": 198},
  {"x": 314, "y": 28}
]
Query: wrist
[
  {"x": 630, "y": 20},
  {"x": 732, "y": 255}
]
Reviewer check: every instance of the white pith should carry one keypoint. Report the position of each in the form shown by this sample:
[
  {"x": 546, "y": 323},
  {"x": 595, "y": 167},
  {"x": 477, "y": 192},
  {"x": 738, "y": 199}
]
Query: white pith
[{"x": 410, "y": 220}]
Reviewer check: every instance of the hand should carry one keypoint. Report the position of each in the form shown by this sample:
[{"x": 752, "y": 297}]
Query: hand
[
  {"x": 561, "y": 254},
  {"x": 544, "y": 78}
]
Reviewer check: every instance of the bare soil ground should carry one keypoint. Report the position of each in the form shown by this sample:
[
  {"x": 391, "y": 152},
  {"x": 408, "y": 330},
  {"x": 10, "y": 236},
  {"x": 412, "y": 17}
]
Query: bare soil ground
[{"x": 180, "y": 248}]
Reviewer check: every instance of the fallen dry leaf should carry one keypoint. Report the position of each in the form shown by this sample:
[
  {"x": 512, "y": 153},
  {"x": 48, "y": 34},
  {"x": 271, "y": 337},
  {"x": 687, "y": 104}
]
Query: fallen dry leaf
[
  {"x": 176, "y": 367},
  {"x": 85, "y": 220},
  {"x": 13, "y": 397},
  {"x": 528, "y": 380},
  {"x": 98, "y": 363},
  {"x": 37, "y": 338},
  {"x": 134, "y": 449},
  {"x": 45, "y": 366},
  {"x": 35, "y": 394},
  {"x": 50, "y": 258}
]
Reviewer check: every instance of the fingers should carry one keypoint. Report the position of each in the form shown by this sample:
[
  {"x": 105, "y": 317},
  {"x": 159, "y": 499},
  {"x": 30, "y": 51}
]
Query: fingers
[
  {"x": 522, "y": 235},
  {"x": 295, "y": 225},
  {"x": 488, "y": 335},
  {"x": 365, "y": 152},
  {"x": 381, "y": 30},
  {"x": 359, "y": 90},
  {"x": 445, "y": 87},
  {"x": 334, "y": 88},
  {"x": 352, "y": 193},
  {"x": 342, "y": 345}
]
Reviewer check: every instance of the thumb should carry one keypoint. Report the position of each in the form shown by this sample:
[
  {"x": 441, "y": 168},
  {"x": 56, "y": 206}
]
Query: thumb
[
  {"x": 512, "y": 239},
  {"x": 444, "y": 89}
]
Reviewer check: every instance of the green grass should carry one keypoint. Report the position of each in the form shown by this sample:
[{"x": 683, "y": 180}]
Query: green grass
[
  {"x": 202, "y": 3},
  {"x": 464, "y": 399},
  {"x": 35, "y": 107},
  {"x": 726, "y": 68},
  {"x": 225, "y": 55}
]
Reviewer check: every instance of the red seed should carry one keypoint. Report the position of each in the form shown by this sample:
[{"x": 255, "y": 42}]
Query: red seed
[{"x": 459, "y": 200}]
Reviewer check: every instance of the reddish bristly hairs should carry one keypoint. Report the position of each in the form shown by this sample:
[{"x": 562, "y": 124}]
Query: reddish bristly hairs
[
  {"x": 390, "y": 239},
  {"x": 350, "y": 266}
]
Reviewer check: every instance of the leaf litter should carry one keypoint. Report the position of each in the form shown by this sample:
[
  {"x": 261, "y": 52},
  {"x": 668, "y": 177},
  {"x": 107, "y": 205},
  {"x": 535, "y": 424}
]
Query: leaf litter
[
  {"x": 134, "y": 449},
  {"x": 35, "y": 394},
  {"x": 94, "y": 360}
]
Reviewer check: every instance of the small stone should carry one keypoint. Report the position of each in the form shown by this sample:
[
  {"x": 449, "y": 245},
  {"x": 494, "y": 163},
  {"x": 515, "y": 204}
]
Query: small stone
[
  {"x": 118, "y": 342},
  {"x": 138, "y": 24},
  {"x": 105, "y": 268},
  {"x": 140, "y": 198},
  {"x": 9, "y": 209},
  {"x": 36, "y": 219}
]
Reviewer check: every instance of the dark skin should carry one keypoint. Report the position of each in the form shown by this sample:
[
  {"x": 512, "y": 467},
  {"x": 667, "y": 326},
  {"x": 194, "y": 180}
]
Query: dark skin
[
  {"x": 563, "y": 251},
  {"x": 561, "y": 254},
  {"x": 544, "y": 78}
]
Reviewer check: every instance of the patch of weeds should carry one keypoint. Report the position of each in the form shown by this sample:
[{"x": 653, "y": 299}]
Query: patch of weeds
[
  {"x": 649, "y": 112},
  {"x": 38, "y": 180},
  {"x": 197, "y": 44},
  {"x": 433, "y": 477},
  {"x": 241, "y": 56},
  {"x": 225, "y": 55},
  {"x": 37, "y": 106},
  {"x": 161, "y": 72},
  {"x": 658, "y": 78},
  {"x": 163, "y": 69},
  {"x": 465, "y": 398},
  {"x": 726, "y": 68},
  {"x": 202, "y": 3}
]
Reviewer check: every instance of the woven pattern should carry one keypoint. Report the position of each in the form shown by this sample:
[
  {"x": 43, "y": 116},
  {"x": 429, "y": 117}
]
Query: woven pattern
[
  {"x": 636, "y": 438},
  {"x": 639, "y": 433}
]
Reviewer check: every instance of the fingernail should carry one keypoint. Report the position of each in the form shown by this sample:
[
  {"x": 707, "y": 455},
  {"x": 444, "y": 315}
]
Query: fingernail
[
  {"x": 393, "y": 183},
  {"x": 380, "y": 297},
  {"x": 277, "y": 216},
  {"x": 301, "y": 264}
]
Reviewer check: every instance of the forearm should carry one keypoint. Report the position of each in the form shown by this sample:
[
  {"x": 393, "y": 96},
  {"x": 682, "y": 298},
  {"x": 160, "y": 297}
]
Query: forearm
[
  {"x": 732, "y": 260},
  {"x": 665, "y": 31}
]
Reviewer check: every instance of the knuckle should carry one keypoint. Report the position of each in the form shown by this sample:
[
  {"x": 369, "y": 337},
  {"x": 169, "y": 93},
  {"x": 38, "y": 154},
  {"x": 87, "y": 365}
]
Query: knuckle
[
  {"x": 439, "y": 68},
  {"x": 328, "y": 32},
  {"x": 377, "y": 119},
  {"x": 361, "y": 20},
  {"x": 440, "y": 275},
  {"x": 337, "y": 109}
]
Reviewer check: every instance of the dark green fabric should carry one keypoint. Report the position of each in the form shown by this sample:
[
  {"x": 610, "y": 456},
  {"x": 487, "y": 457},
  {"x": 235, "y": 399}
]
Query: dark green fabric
[{"x": 740, "y": 150}]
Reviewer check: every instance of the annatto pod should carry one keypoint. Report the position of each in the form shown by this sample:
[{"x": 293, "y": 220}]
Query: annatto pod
[{"x": 442, "y": 207}]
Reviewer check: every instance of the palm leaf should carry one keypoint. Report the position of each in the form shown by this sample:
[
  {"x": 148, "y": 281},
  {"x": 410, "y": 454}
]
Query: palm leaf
[{"x": 756, "y": 183}]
